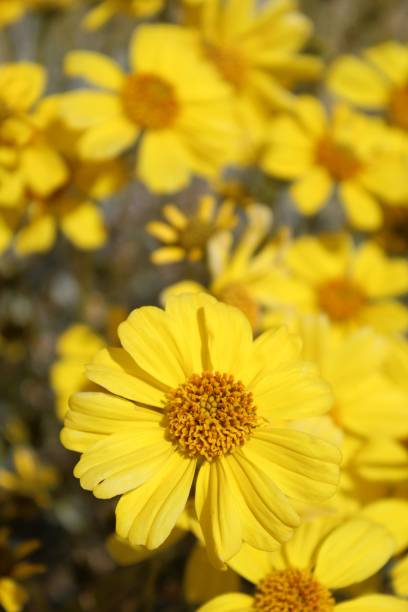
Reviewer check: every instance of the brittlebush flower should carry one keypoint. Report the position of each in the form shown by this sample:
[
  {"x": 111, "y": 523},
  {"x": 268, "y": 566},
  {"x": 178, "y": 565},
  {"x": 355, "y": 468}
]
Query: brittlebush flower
[
  {"x": 354, "y": 153},
  {"x": 14, "y": 568},
  {"x": 377, "y": 81},
  {"x": 187, "y": 236},
  {"x": 257, "y": 50},
  {"x": 182, "y": 118},
  {"x": 352, "y": 285},
  {"x": 106, "y": 9},
  {"x": 195, "y": 396},
  {"x": 322, "y": 557},
  {"x": 241, "y": 275},
  {"x": 31, "y": 478},
  {"x": 28, "y": 161}
]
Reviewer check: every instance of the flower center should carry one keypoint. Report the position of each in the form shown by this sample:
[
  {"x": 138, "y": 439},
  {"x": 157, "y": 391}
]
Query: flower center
[
  {"x": 150, "y": 101},
  {"x": 229, "y": 63},
  {"x": 210, "y": 415},
  {"x": 237, "y": 295},
  {"x": 339, "y": 160},
  {"x": 292, "y": 590},
  {"x": 399, "y": 107},
  {"x": 196, "y": 234},
  {"x": 341, "y": 299}
]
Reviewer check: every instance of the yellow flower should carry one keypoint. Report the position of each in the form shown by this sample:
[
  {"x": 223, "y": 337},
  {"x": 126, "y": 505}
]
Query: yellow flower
[
  {"x": 28, "y": 162},
  {"x": 242, "y": 276},
  {"x": 14, "y": 568},
  {"x": 186, "y": 237},
  {"x": 194, "y": 395},
  {"x": 352, "y": 285},
  {"x": 31, "y": 477},
  {"x": 368, "y": 407},
  {"x": 75, "y": 348},
  {"x": 321, "y": 558},
  {"x": 357, "y": 154},
  {"x": 11, "y": 11},
  {"x": 183, "y": 117},
  {"x": 378, "y": 81},
  {"x": 106, "y": 9},
  {"x": 257, "y": 50}
]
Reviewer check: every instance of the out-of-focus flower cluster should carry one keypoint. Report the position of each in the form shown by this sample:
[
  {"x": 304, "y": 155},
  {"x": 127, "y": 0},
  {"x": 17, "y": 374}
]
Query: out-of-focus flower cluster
[{"x": 203, "y": 272}]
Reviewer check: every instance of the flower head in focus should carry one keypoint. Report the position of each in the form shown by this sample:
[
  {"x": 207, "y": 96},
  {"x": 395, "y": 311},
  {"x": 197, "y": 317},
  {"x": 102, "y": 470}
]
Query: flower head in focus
[
  {"x": 323, "y": 556},
  {"x": 186, "y": 237},
  {"x": 182, "y": 119},
  {"x": 210, "y": 403},
  {"x": 358, "y": 155}
]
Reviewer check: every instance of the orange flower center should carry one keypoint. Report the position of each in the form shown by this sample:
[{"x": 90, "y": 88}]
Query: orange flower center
[
  {"x": 150, "y": 101},
  {"x": 237, "y": 295},
  {"x": 339, "y": 160},
  {"x": 229, "y": 63},
  {"x": 399, "y": 107},
  {"x": 341, "y": 299},
  {"x": 292, "y": 590},
  {"x": 196, "y": 234},
  {"x": 210, "y": 415}
]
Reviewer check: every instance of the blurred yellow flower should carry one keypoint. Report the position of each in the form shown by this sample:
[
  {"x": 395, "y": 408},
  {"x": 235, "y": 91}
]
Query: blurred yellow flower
[
  {"x": 15, "y": 568},
  {"x": 76, "y": 347},
  {"x": 321, "y": 557},
  {"x": 357, "y": 154},
  {"x": 352, "y": 285},
  {"x": 211, "y": 401},
  {"x": 106, "y": 9},
  {"x": 378, "y": 80},
  {"x": 187, "y": 236},
  {"x": 257, "y": 50},
  {"x": 183, "y": 118},
  {"x": 31, "y": 477}
]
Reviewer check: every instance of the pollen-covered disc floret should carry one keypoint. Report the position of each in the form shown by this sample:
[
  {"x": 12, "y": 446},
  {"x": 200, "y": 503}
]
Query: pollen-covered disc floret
[
  {"x": 150, "y": 101},
  {"x": 210, "y": 415},
  {"x": 341, "y": 299},
  {"x": 292, "y": 590}
]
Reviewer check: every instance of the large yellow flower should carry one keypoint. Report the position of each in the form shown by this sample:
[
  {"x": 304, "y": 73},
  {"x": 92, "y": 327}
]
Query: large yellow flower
[
  {"x": 257, "y": 50},
  {"x": 352, "y": 285},
  {"x": 321, "y": 558},
  {"x": 355, "y": 153},
  {"x": 104, "y": 10},
  {"x": 379, "y": 80},
  {"x": 183, "y": 116},
  {"x": 194, "y": 395},
  {"x": 187, "y": 236}
]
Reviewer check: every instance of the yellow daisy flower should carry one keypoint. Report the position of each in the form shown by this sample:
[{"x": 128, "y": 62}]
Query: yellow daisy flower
[
  {"x": 242, "y": 276},
  {"x": 352, "y": 285},
  {"x": 15, "y": 568},
  {"x": 28, "y": 162},
  {"x": 31, "y": 477},
  {"x": 257, "y": 50},
  {"x": 106, "y": 9},
  {"x": 356, "y": 154},
  {"x": 75, "y": 348},
  {"x": 187, "y": 236},
  {"x": 321, "y": 558},
  {"x": 183, "y": 117},
  {"x": 195, "y": 396},
  {"x": 378, "y": 80}
]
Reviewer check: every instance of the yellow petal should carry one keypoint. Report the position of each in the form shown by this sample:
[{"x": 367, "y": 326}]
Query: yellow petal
[
  {"x": 163, "y": 163},
  {"x": 86, "y": 108},
  {"x": 392, "y": 514},
  {"x": 216, "y": 512},
  {"x": 352, "y": 552},
  {"x": 12, "y": 595},
  {"x": 38, "y": 236},
  {"x": 231, "y": 602},
  {"x": 107, "y": 140},
  {"x": 21, "y": 84},
  {"x": 399, "y": 576},
  {"x": 380, "y": 276},
  {"x": 95, "y": 68},
  {"x": 115, "y": 370},
  {"x": 391, "y": 58},
  {"x": 162, "y": 231},
  {"x": 301, "y": 549},
  {"x": 304, "y": 467},
  {"x": 216, "y": 582},
  {"x": 311, "y": 192},
  {"x": 147, "y": 515},
  {"x": 373, "y": 603},
  {"x": 83, "y": 225},
  {"x": 387, "y": 317},
  {"x": 353, "y": 79},
  {"x": 362, "y": 209},
  {"x": 44, "y": 169}
]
